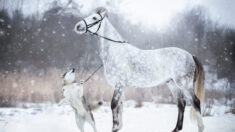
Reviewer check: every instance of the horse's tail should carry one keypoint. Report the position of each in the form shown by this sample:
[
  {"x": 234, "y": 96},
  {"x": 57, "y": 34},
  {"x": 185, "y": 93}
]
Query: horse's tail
[{"x": 198, "y": 83}]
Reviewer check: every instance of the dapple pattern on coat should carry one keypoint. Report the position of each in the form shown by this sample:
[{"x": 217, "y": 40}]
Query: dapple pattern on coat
[{"x": 128, "y": 66}]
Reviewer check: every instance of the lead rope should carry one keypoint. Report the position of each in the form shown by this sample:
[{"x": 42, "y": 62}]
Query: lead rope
[{"x": 93, "y": 73}]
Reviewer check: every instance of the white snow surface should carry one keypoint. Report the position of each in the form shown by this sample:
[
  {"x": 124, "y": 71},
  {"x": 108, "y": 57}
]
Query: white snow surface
[{"x": 149, "y": 118}]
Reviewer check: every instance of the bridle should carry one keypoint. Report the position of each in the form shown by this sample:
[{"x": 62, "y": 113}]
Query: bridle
[
  {"x": 93, "y": 24},
  {"x": 95, "y": 33}
]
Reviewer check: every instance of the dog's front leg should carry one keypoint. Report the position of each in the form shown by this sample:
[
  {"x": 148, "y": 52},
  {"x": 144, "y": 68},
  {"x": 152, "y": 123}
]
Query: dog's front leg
[{"x": 64, "y": 101}]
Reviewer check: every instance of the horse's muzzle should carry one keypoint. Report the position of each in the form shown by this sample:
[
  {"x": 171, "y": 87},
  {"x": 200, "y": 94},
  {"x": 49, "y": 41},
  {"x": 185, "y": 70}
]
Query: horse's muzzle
[{"x": 80, "y": 27}]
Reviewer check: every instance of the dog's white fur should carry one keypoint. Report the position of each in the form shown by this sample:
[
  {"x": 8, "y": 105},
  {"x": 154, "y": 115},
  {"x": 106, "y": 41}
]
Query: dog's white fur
[{"x": 73, "y": 94}]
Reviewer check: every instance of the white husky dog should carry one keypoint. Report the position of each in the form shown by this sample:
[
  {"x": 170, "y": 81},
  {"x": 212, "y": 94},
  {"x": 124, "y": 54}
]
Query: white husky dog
[{"x": 73, "y": 94}]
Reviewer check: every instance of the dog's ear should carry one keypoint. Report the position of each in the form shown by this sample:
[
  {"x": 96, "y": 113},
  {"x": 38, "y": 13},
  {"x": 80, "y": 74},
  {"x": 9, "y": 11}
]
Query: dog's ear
[
  {"x": 63, "y": 75},
  {"x": 73, "y": 69}
]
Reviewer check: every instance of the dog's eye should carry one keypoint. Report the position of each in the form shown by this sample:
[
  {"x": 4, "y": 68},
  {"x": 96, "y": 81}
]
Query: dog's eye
[{"x": 94, "y": 18}]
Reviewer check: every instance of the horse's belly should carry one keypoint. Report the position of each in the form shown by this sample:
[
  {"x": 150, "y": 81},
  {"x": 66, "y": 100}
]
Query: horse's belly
[
  {"x": 137, "y": 73},
  {"x": 137, "y": 79},
  {"x": 147, "y": 81}
]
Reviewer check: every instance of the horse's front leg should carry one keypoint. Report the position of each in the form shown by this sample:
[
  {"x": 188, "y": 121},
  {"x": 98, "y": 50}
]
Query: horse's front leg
[{"x": 116, "y": 106}]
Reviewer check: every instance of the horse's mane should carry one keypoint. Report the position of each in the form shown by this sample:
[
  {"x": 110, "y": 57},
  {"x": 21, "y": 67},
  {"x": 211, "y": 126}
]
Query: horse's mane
[{"x": 101, "y": 10}]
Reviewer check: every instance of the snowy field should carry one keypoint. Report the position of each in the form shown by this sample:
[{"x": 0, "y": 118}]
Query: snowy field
[{"x": 150, "y": 118}]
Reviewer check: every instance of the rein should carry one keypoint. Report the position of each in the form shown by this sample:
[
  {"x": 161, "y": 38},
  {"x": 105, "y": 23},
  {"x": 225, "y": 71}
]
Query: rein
[
  {"x": 93, "y": 73},
  {"x": 96, "y": 34}
]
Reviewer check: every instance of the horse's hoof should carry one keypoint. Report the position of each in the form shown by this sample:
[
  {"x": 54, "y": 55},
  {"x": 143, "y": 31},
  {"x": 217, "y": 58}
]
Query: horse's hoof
[
  {"x": 175, "y": 130},
  {"x": 115, "y": 130},
  {"x": 201, "y": 129}
]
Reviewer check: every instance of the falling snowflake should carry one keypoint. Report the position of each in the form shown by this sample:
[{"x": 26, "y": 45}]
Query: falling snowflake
[
  {"x": 1, "y": 20},
  {"x": 14, "y": 85},
  {"x": 1, "y": 32},
  {"x": 32, "y": 82}
]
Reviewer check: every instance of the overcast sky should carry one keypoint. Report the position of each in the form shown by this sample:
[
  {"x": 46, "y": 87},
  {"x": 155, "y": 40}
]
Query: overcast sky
[
  {"x": 147, "y": 12},
  {"x": 221, "y": 10}
]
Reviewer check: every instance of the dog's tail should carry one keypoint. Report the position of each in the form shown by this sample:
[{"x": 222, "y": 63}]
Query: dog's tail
[{"x": 95, "y": 105}]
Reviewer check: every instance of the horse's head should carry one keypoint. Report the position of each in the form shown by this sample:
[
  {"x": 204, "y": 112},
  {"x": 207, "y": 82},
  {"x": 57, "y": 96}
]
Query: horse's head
[{"x": 92, "y": 23}]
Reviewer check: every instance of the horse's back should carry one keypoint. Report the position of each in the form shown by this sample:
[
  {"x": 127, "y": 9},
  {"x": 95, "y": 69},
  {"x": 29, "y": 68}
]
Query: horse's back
[
  {"x": 153, "y": 67},
  {"x": 178, "y": 61},
  {"x": 146, "y": 68}
]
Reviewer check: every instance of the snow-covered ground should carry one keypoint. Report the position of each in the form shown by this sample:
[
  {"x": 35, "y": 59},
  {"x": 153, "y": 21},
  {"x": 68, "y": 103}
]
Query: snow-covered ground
[{"x": 150, "y": 118}]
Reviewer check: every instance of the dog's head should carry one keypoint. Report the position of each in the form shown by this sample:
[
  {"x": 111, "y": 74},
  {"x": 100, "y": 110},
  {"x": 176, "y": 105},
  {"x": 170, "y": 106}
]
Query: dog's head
[{"x": 69, "y": 76}]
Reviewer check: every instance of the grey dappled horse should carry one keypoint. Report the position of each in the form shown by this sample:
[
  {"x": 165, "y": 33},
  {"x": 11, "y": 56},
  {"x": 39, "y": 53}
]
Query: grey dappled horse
[{"x": 128, "y": 66}]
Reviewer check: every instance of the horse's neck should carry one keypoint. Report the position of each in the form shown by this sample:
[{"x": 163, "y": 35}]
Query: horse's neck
[{"x": 107, "y": 30}]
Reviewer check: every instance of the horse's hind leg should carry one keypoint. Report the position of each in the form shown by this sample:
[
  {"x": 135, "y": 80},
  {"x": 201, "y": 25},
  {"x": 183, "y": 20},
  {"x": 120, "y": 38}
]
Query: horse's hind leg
[
  {"x": 116, "y": 106},
  {"x": 196, "y": 112},
  {"x": 178, "y": 94},
  {"x": 181, "y": 107},
  {"x": 196, "y": 104}
]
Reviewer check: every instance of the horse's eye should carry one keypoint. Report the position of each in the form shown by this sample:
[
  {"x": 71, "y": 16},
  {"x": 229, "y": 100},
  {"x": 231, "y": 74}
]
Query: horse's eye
[{"x": 94, "y": 18}]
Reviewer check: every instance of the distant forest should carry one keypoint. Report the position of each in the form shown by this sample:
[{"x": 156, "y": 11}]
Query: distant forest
[{"x": 33, "y": 45}]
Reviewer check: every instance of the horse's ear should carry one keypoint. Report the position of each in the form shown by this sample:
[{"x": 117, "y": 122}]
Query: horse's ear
[{"x": 102, "y": 10}]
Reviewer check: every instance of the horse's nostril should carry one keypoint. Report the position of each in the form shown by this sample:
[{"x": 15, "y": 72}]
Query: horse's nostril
[{"x": 78, "y": 27}]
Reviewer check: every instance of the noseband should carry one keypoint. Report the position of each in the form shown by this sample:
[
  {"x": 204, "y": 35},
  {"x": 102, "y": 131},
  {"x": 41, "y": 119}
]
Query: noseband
[
  {"x": 95, "y": 33},
  {"x": 93, "y": 24}
]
